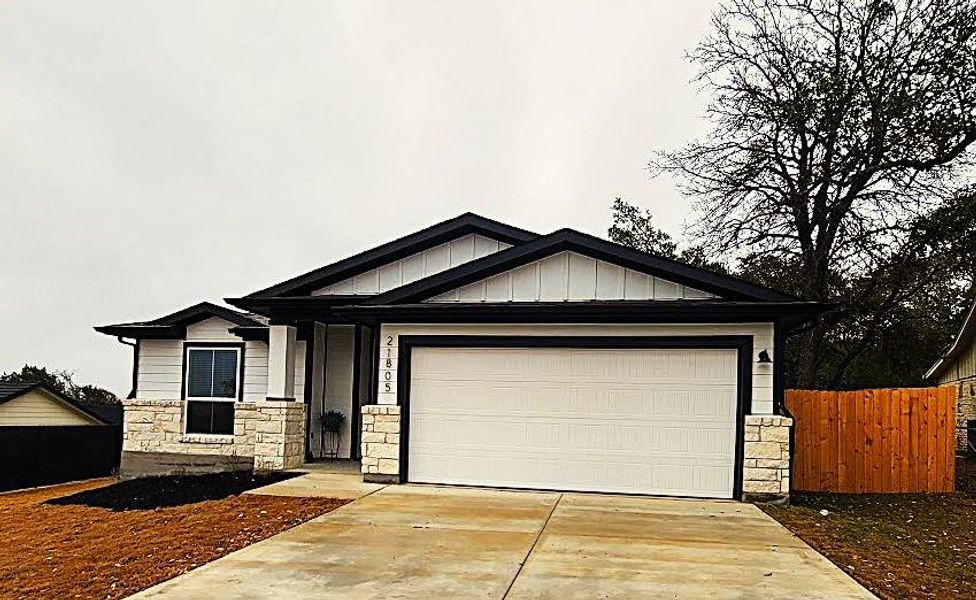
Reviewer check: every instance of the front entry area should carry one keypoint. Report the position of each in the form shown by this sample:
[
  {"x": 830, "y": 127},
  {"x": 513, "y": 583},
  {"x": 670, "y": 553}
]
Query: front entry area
[{"x": 638, "y": 420}]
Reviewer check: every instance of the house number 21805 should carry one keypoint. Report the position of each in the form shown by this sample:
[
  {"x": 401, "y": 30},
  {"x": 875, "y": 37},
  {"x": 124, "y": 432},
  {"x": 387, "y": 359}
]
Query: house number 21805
[{"x": 387, "y": 374}]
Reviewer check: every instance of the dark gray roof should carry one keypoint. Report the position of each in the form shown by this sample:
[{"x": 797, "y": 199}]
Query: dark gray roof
[
  {"x": 399, "y": 248},
  {"x": 725, "y": 286},
  {"x": 174, "y": 324},
  {"x": 10, "y": 389}
]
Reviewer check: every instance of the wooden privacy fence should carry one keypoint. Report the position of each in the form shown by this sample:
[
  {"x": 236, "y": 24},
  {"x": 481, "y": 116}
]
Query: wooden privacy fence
[{"x": 874, "y": 441}]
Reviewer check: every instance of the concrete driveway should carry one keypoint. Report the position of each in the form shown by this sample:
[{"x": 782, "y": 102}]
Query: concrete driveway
[{"x": 433, "y": 543}]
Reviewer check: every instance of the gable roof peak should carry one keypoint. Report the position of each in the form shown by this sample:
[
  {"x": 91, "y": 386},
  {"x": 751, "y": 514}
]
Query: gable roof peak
[
  {"x": 10, "y": 390},
  {"x": 173, "y": 323},
  {"x": 725, "y": 286},
  {"x": 439, "y": 233}
]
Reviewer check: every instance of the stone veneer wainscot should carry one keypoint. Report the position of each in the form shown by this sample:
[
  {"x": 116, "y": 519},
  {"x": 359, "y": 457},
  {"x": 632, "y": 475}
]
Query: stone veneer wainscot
[{"x": 267, "y": 436}]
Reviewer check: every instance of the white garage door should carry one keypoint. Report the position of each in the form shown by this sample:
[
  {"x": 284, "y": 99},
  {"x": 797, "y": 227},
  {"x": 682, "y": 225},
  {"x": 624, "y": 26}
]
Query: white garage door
[{"x": 647, "y": 421}]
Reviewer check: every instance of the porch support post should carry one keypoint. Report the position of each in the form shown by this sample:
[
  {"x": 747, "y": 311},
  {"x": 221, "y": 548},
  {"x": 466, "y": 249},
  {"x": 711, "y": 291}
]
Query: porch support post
[
  {"x": 282, "y": 340},
  {"x": 279, "y": 428}
]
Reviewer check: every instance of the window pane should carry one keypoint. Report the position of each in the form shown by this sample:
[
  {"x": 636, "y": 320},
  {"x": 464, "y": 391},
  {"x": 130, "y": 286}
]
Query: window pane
[
  {"x": 199, "y": 374},
  {"x": 210, "y": 417},
  {"x": 198, "y": 417},
  {"x": 225, "y": 374},
  {"x": 223, "y": 418}
]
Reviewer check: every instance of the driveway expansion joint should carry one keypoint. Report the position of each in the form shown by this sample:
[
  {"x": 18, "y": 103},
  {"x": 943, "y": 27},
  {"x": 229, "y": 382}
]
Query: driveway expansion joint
[{"x": 525, "y": 559}]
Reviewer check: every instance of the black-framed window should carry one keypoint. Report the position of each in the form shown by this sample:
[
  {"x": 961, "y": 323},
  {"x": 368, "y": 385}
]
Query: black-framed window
[{"x": 211, "y": 389}]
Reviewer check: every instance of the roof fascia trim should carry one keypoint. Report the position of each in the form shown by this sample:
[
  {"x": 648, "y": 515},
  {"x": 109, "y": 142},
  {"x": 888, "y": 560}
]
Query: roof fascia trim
[
  {"x": 173, "y": 325},
  {"x": 399, "y": 248},
  {"x": 966, "y": 333}
]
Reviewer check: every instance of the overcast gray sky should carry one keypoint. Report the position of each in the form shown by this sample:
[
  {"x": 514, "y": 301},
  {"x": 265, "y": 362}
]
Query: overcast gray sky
[{"x": 155, "y": 154}]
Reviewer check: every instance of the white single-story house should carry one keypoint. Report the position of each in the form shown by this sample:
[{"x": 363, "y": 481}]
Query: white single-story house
[
  {"x": 38, "y": 405},
  {"x": 477, "y": 353},
  {"x": 957, "y": 368}
]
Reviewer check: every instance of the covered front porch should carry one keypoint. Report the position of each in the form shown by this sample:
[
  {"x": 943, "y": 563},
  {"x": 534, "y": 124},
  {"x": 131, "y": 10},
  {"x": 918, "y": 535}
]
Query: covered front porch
[{"x": 338, "y": 374}]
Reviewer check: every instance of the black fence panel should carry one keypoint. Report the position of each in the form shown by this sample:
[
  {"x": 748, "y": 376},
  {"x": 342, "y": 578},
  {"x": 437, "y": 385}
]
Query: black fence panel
[{"x": 33, "y": 456}]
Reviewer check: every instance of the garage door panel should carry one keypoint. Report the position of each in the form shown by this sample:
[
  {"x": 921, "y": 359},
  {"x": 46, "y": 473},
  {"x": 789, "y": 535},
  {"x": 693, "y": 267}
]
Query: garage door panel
[
  {"x": 635, "y": 420},
  {"x": 603, "y": 400},
  {"x": 663, "y": 476},
  {"x": 567, "y": 365},
  {"x": 536, "y": 436}
]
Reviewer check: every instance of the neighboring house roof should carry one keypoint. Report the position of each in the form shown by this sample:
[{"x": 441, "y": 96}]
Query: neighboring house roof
[
  {"x": 725, "y": 286},
  {"x": 400, "y": 248},
  {"x": 110, "y": 413},
  {"x": 965, "y": 337},
  {"x": 10, "y": 390},
  {"x": 174, "y": 325}
]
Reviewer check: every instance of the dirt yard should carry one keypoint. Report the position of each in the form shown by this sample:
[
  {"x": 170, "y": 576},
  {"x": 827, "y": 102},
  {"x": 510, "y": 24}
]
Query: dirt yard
[
  {"x": 109, "y": 539},
  {"x": 898, "y": 545}
]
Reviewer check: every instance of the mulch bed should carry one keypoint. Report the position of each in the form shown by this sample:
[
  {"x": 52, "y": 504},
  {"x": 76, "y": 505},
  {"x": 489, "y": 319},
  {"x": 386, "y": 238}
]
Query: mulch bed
[
  {"x": 107, "y": 539},
  {"x": 896, "y": 545}
]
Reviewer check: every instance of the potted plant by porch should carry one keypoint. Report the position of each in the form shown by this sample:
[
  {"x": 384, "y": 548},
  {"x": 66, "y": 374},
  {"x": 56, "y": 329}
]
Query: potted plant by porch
[{"x": 330, "y": 423}]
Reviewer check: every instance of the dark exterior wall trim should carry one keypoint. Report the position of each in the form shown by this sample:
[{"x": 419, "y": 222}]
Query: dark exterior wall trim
[
  {"x": 742, "y": 343},
  {"x": 309, "y": 384},
  {"x": 357, "y": 366},
  {"x": 135, "y": 371},
  {"x": 675, "y": 311}
]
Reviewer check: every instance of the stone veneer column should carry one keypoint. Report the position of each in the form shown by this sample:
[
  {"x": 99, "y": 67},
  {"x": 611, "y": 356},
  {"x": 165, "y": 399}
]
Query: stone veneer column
[
  {"x": 965, "y": 409},
  {"x": 381, "y": 443},
  {"x": 766, "y": 464},
  {"x": 279, "y": 435}
]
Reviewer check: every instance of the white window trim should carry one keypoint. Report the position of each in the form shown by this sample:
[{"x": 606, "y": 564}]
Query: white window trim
[{"x": 187, "y": 398}]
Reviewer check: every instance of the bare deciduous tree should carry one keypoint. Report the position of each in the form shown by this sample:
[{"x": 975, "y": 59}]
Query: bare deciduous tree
[{"x": 837, "y": 125}]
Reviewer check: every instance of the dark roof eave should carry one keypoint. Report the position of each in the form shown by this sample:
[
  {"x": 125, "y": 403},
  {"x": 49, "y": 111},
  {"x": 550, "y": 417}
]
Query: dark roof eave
[
  {"x": 138, "y": 331},
  {"x": 174, "y": 324},
  {"x": 966, "y": 335},
  {"x": 284, "y": 308},
  {"x": 789, "y": 313}
]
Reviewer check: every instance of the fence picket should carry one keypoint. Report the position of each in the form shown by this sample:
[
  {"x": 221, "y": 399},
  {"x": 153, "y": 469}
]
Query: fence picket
[
  {"x": 885, "y": 428},
  {"x": 904, "y": 435},
  {"x": 844, "y": 464}
]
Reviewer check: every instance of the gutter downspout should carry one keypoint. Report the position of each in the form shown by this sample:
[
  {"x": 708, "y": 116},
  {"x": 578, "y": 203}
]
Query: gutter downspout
[{"x": 135, "y": 365}]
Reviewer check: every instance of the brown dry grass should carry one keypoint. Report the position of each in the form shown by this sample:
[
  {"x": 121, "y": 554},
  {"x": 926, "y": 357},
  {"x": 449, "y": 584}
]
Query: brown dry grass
[
  {"x": 896, "y": 545},
  {"x": 77, "y": 549}
]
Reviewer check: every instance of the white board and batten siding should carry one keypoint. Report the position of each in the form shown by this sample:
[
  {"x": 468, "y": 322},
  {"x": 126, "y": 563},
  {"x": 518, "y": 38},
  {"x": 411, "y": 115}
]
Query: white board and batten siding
[
  {"x": 570, "y": 277},
  {"x": 416, "y": 266},
  {"x": 37, "y": 408},
  {"x": 160, "y": 370},
  {"x": 761, "y": 333},
  {"x": 963, "y": 367}
]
